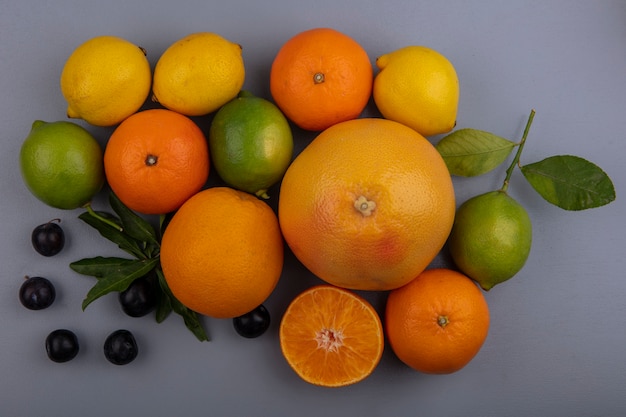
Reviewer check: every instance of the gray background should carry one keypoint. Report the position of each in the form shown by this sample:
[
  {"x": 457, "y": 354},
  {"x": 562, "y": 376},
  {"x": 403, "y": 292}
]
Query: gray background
[{"x": 556, "y": 342}]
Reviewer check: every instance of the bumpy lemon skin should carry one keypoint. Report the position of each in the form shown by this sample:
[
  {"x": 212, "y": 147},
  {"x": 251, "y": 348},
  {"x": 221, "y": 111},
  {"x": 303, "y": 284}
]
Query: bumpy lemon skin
[
  {"x": 198, "y": 74},
  {"x": 418, "y": 87},
  {"x": 105, "y": 80}
]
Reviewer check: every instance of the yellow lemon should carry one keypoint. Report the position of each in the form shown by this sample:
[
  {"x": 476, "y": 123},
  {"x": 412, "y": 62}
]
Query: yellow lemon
[
  {"x": 198, "y": 74},
  {"x": 105, "y": 80},
  {"x": 418, "y": 87}
]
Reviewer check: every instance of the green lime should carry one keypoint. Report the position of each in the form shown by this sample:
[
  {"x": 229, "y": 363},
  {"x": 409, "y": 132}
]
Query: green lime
[
  {"x": 61, "y": 164},
  {"x": 491, "y": 237},
  {"x": 250, "y": 143}
]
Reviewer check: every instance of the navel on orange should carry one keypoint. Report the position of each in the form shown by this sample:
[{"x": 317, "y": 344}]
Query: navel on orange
[
  {"x": 155, "y": 160},
  {"x": 438, "y": 322},
  {"x": 222, "y": 252},
  {"x": 367, "y": 205},
  {"x": 331, "y": 337},
  {"x": 321, "y": 77}
]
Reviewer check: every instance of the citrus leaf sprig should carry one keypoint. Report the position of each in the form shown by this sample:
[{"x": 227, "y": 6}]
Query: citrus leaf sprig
[
  {"x": 472, "y": 152},
  {"x": 566, "y": 181},
  {"x": 135, "y": 236}
]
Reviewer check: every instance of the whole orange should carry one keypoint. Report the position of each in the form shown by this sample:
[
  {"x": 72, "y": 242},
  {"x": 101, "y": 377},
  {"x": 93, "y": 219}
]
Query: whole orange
[
  {"x": 367, "y": 205},
  {"x": 438, "y": 322},
  {"x": 321, "y": 77},
  {"x": 155, "y": 160},
  {"x": 222, "y": 252}
]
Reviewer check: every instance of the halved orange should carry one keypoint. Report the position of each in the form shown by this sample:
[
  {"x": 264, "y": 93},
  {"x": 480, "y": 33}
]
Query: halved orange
[{"x": 331, "y": 336}]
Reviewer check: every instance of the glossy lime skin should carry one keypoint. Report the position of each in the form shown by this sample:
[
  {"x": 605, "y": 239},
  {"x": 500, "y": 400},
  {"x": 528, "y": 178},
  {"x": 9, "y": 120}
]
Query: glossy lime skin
[
  {"x": 250, "y": 143},
  {"x": 62, "y": 164},
  {"x": 491, "y": 238}
]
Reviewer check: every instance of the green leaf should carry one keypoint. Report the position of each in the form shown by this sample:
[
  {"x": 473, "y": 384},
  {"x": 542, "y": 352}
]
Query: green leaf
[
  {"x": 570, "y": 182},
  {"x": 114, "y": 274},
  {"x": 191, "y": 319},
  {"x": 472, "y": 152},
  {"x": 134, "y": 225},
  {"x": 123, "y": 240},
  {"x": 101, "y": 266},
  {"x": 164, "y": 303},
  {"x": 163, "y": 308},
  {"x": 138, "y": 237}
]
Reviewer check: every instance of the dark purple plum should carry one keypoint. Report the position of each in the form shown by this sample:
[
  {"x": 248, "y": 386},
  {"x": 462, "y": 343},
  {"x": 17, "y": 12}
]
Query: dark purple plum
[
  {"x": 37, "y": 293},
  {"x": 62, "y": 345},
  {"x": 252, "y": 324},
  {"x": 140, "y": 298},
  {"x": 120, "y": 347},
  {"x": 48, "y": 239}
]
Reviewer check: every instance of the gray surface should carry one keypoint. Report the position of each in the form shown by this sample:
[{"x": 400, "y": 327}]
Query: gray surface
[{"x": 556, "y": 343}]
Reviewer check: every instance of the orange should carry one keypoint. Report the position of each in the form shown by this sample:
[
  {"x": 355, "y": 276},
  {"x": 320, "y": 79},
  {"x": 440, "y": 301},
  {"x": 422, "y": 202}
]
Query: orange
[
  {"x": 222, "y": 252},
  {"x": 367, "y": 205},
  {"x": 331, "y": 336},
  {"x": 321, "y": 77},
  {"x": 438, "y": 322},
  {"x": 155, "y": 160}
]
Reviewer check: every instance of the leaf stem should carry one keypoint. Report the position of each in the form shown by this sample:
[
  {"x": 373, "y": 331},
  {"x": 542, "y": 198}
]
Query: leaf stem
[
  {"x": 91, "y": 211},
  {"x": 509, "y": 171}
]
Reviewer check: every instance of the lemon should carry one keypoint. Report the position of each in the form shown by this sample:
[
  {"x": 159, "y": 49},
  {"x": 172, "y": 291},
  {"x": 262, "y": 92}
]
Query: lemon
[
  {"x": 491, "y": 238},
  {"x": 105, "y": 80},
  {"x": 61, "y": 164},
  {"x": 418, "y": 87},
  {"x": 198, "y": 74},
  {"x": 250, "y": 143}
]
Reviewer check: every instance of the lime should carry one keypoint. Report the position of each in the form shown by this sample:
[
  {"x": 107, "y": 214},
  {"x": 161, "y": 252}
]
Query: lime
[
  {"x": 491, "y": 238},
  {"x": 61, "y": 164},
  {"x": 250, "y": 143}
]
